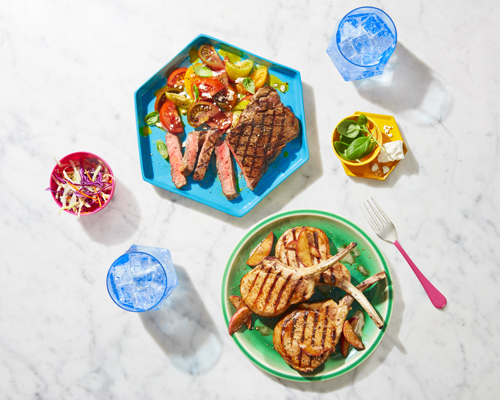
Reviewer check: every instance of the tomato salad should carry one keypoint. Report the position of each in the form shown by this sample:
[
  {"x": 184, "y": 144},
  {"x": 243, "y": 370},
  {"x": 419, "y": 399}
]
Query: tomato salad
[{"x": 212, "y": 91}]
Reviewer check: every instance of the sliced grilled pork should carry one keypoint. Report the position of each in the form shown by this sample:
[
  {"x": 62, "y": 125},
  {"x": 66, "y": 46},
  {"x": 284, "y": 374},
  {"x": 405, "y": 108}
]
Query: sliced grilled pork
[
  {"x": 173, "y": 143},
  {"x": 263, "y": 129},
  {"x": 338, "y": 275},
  {"x": 307, "y": 334},
  {"x": 272, "y": 287},
  {"x": 194, "y": 142},
  {"x": 207, "y": 149},
  {"x": 225, "y": 169}
]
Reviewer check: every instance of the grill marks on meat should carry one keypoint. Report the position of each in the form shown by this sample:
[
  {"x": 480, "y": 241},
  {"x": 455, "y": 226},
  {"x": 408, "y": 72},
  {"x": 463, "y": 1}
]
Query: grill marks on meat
[
  {"x": 306, "y": 336},
  {"x": 225, "y": 169},
  {"x": 272, "y": 287},
  {"x": 263, "y": 129},
  {"x": 174, "y": 146},
  {"x": 207, "y": 149}
]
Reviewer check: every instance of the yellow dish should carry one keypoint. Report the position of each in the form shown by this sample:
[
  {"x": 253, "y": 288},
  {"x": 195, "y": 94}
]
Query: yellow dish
[{"x": 373, "y": 169}]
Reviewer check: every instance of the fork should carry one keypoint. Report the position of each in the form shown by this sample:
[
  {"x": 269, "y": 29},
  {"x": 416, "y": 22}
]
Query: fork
[{"x": 385, "y": 229}]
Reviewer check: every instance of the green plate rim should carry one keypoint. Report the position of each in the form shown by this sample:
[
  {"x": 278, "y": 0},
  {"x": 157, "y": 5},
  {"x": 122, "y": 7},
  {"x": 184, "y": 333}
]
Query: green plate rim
[{"x": 309, "y": 377}]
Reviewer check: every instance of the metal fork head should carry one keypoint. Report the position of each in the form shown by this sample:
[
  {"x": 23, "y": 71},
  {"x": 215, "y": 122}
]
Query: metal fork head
[{"x": 379, "y": 221}]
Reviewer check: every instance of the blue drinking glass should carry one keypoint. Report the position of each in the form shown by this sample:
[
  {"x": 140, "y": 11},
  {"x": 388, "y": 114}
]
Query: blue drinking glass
[
  {"x": 142, "y": 278},
  {"x": 362, "y": 43}
]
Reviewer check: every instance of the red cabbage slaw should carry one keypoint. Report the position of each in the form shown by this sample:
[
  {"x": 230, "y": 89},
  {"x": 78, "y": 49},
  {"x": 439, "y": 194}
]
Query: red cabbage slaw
[{"x": 83, "y": 186}]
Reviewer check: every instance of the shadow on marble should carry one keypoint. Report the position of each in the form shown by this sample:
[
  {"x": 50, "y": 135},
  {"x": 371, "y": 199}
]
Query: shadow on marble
[
  {"x": 410, "y": 89},
  {"x": 118, "y": 221},
  {"x": 408, "y": 166},
  {"x": 275, "y": 201},
  {"x": 184, "y": 330}
]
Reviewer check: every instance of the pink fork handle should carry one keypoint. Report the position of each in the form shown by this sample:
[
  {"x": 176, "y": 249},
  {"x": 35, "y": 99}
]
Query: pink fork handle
[{"x": 437, "y": 299}]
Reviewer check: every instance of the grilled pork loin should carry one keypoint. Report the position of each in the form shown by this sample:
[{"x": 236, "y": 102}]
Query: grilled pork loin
[
  {"x": 263, "y": 129},
  {"x": 307, "y": 334},
  {"x": 194, "y": 142},
  {"x": 173, "y": 143},
  {"x": 338, "y": 275},
  {"x": 272, "y": 286},
  {"x": 207, "y": 149},
  {"x": 225, "y": 169}
]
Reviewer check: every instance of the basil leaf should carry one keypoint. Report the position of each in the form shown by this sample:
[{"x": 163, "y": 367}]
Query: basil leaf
[
  {"x": 362, "y": 120},
  {"x": 340, "y": 148},
  {"x": 249, "y": 85},
  {"x": 359, "y": 148},
  {"x": 196, "y": 92},
  {"x": 353, "y": 131},
  {"x": 162, "y": 149},
  {"x": 152, "y": 118},
  {"x": 344, "y": 125},
  {"x": 202, "y": 71}
]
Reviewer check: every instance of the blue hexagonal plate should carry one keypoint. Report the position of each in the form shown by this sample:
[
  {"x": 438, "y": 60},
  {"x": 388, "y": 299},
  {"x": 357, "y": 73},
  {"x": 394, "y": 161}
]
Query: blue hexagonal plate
[{"x": 156, "y": 170}]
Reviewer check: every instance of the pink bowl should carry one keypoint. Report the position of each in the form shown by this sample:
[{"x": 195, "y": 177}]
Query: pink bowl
[{"x": 85, "y": 158}]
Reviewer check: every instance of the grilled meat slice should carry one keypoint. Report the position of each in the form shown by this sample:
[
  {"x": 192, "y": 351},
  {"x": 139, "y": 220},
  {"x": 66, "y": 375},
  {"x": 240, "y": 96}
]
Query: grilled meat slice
[
  {"x": 307, "y": 335},
  {"x": 173, "y": 143},
  {"x": 263, "y": 129},
  {"x": 225, "y": 169},
  {"x": 272, "y": 287},
  {"x": 194, "y": 142},
  {"x": 207, "y": 149},
  {"x": 338, "y": 275}
]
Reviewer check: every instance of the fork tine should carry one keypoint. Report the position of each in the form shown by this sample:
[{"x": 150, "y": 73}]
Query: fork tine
[
  {"x": 377, "y": 215},
  {"x": 387, "y": 220},
  {"x": 369, "y": 218}
]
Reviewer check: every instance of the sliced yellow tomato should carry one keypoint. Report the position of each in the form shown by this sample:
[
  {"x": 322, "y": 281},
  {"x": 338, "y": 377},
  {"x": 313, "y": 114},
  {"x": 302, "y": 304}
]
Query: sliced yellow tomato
[
  {"x": 241, "y": 105},
  {"x": 189, "y": 78},
  {"x": 237, "y": 70},
  {"x": 259, "y": 77}
]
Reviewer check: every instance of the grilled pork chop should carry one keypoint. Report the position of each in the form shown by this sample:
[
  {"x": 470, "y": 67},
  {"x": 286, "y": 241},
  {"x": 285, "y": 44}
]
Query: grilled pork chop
[
  {"x": 225, "y": 169},
  {"x": 272, "y": 287},
  {"x": 338, "y": 275},
  {"x": 263, "y": 129},
  {"x": 206, "y": 151},
  {"x": 307, "y": 335},
  {"x": 173, "y": 143},
  {"x": 194, "y": 142}
]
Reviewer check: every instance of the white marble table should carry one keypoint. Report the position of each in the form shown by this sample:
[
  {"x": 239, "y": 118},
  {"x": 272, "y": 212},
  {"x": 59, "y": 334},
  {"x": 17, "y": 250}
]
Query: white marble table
[{"x": 68, "y": 71}]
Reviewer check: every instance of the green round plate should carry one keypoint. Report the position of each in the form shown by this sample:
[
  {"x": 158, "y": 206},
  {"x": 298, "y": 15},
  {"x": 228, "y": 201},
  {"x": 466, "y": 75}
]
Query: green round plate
[{"x": 257, "y": 343}]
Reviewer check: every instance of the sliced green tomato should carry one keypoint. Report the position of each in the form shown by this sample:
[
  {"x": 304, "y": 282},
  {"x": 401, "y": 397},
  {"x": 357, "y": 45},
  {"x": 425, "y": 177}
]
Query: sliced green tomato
[
  {"x": 179, "y": 100},
  {"x": 201, "y": 112},
  {"x": 238, "y": 70}
]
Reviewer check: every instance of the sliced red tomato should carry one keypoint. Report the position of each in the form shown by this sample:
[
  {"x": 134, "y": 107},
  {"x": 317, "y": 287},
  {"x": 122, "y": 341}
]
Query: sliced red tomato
[
  {"x": 208, "y": 87},
  {"x": 176, "y": 78},
  {"x": 169, "y": 118},
  {"x": 221, "y": 76},
  {"x": 227, "y": 98},
  {"x": 210, "y": 57},
  {"x": 201, "y": 112},
  {"x": 221, "y": 121}
]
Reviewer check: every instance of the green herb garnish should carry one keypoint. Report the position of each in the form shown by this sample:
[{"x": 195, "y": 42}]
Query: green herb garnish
[
  {"x": 152, "y": 118},
  {"x": 202, "y": 71},
  {"x": 196, "y": 92},
  {"x": 249, "y": 85},
  {"x": 162, "y": 149}
]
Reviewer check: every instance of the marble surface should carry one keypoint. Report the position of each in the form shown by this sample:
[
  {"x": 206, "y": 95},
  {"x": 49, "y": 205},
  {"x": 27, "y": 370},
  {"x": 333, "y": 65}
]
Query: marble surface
[{"x": 68, "y": 71}]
